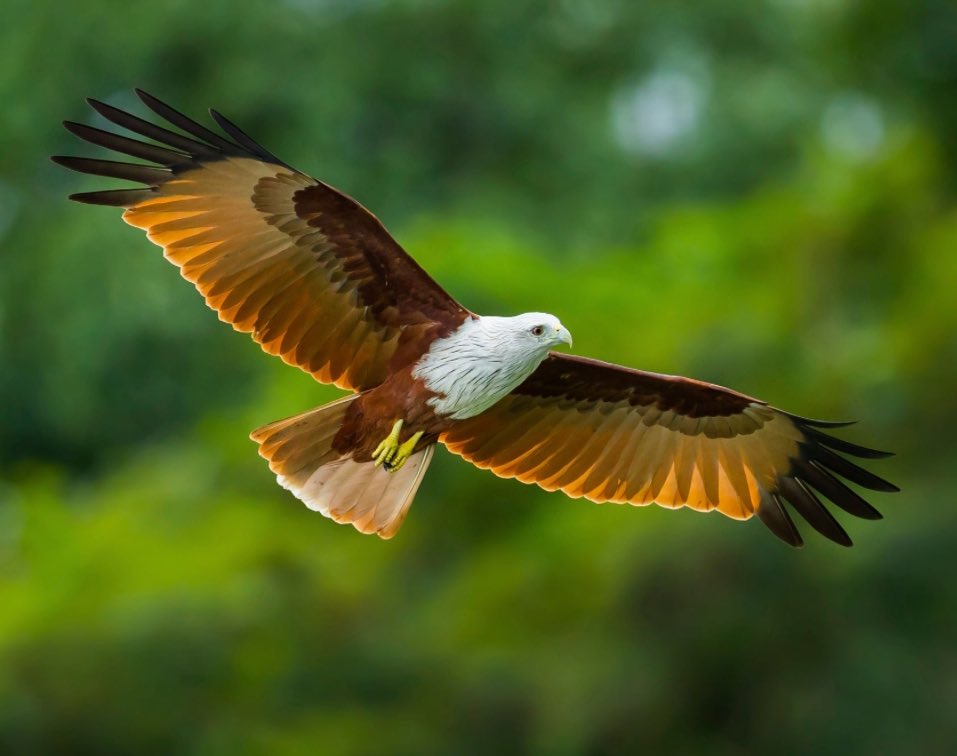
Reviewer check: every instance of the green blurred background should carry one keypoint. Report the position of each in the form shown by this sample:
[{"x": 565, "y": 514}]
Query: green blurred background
[{"x": 756, "y": 194}]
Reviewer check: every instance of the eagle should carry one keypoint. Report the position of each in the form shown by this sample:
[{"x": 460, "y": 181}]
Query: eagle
[{"x": 317, "y": 280}]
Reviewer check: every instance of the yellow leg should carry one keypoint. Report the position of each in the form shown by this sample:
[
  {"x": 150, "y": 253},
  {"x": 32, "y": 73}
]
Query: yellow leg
[
  {"x": 386, "y": 451},
  {"x": 403, "y": 453}
]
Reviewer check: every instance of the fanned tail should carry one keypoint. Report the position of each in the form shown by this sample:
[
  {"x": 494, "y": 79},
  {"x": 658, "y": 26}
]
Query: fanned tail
[{"x": 299, "y": 450}]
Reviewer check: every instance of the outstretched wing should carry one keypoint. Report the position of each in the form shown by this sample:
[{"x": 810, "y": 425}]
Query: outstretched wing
[
  {"x": 309, "y": 272},
  {"x": 609, "y": 433}
]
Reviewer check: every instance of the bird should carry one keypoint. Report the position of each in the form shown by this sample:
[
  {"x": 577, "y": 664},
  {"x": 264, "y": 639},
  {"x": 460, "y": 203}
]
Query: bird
[{"x": 318, "y": 281}]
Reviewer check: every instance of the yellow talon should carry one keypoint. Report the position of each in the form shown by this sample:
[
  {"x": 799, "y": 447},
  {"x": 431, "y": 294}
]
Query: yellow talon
[
  {"x": 389, "y": 447},
  {"x": 403, "y": 453}
]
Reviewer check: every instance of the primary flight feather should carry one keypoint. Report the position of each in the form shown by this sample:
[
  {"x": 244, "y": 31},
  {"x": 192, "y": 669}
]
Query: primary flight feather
[{"x": 316, "y": 279}]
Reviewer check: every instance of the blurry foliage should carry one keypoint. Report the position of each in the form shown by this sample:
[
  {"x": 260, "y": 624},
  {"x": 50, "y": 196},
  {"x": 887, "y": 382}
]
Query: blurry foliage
[{"x": 761, "y": 196}]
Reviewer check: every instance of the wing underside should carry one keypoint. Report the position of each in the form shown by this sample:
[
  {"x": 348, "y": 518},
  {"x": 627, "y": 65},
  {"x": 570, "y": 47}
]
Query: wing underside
[{"x": 611, "y": 434}]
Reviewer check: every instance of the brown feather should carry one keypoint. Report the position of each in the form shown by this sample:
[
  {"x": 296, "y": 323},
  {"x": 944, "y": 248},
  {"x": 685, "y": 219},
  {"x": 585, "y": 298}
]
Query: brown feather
[
  {"x": 613, "y": 434},
  {"x": 312, "y": 274}
]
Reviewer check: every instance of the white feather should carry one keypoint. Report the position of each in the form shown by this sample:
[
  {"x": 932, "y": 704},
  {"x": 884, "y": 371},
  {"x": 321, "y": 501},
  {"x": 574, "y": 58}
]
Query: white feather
[
  {"x": 485, "y": 359},
  {"x": 370, "y": 498}
]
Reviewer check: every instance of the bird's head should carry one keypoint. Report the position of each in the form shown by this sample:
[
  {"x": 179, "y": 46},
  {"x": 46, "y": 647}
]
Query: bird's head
[{"x": 539, "y": 330}]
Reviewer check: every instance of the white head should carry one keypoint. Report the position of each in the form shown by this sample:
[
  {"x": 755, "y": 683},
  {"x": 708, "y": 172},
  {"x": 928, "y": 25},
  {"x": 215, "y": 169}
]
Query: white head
[
  {"x": 487, "y": 357},
  {"x": 532, "y": 332}
]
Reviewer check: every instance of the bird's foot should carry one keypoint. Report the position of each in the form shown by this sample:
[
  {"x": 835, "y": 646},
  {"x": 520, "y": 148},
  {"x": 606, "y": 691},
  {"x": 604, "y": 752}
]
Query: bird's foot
[
  {"x": 389, "y": 447},
  {"x": 403, "y": 453}
]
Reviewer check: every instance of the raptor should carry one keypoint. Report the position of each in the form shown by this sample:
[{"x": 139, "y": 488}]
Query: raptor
[{"x": 317, "y": 280}]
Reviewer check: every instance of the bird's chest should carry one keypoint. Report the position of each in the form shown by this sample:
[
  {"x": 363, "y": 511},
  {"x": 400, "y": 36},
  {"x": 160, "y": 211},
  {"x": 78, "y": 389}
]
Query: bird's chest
[{"x": 464, "y": 384}]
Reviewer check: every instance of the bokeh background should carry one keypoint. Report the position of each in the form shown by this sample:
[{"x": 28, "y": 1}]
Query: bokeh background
[{"x": 756, "y": 194}]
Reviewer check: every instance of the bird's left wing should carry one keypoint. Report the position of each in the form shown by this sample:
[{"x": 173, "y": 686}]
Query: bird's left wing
[
  {"x": 609, "y": 433},
  {"x": 309, "y": 272}
]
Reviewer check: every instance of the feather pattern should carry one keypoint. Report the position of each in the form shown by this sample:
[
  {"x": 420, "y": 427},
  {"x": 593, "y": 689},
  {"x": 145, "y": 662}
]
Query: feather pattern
[
  {"x": 311, "y": 274},
  {"x": 608, "y": 433}
]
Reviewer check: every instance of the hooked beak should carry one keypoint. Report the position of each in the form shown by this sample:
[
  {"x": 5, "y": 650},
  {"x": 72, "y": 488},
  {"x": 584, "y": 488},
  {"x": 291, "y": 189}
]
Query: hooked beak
[{"x": 563, "y": 335}]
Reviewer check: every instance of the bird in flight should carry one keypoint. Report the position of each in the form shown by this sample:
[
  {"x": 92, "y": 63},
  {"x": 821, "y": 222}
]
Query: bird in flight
[{"x": 316, "y": 279}]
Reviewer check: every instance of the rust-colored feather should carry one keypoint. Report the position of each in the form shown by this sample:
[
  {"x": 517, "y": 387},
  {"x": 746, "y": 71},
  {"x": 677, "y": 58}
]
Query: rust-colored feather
[
  {"x": 613, "y": 434},
  {"x": 309, "y": 272}
]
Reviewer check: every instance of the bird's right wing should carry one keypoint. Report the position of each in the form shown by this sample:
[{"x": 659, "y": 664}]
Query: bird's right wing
[
  {"x": 609, "y": 433},
  {"x": 309, "y": 272}
]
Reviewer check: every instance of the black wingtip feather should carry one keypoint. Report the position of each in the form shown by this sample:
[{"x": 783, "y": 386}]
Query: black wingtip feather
[
  {"x": 824, "y": 482},
  {"x": 848, "y": 470},
  {"x": 772, "y": 513},
  {"x": 847, "y": 447},
  {"x": 818, "y": 468},
  {"x": 133, "y": 147},
  {"x": 144, "y": 174},
  {"x": 174, "y": 150},
  {"x": 150, "y": 130},
  {"x": 186, "y": 123},
  {"x": 243, "y": 138},
  {"x": 113, "y": 197},
  {"x": 821, "y": 423},
  {"x": 811, "y": 509}
]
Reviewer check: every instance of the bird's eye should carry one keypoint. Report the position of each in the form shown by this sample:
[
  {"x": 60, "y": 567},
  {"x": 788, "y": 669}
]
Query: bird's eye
[{"x": 538, "y": 330}]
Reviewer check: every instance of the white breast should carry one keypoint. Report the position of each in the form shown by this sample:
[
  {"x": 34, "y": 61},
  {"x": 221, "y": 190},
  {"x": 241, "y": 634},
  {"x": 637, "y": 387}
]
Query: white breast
[{"x": 474, "y": 367}]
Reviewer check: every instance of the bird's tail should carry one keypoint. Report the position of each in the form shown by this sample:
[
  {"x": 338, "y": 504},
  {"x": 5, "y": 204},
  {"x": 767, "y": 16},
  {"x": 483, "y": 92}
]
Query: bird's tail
[{"x": 299, "y": 450}]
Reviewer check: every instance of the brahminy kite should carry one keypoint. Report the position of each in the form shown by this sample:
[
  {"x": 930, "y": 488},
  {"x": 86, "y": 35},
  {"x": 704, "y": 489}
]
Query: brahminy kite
[{"x": 317, "y": 280}]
